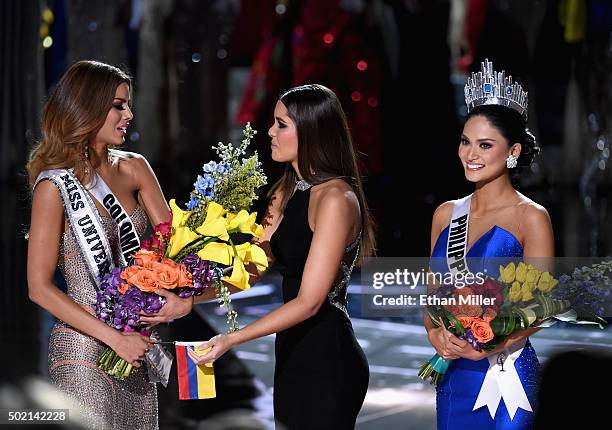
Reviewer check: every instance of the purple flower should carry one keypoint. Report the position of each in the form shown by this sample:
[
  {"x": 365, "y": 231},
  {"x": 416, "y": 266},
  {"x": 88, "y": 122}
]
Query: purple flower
[
  {"x": 469, "y": 337},
  {"x": 201, "y": 273}
]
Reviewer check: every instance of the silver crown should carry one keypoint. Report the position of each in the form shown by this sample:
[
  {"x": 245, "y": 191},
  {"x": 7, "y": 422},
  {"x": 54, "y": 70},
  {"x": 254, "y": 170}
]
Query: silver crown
[{"x": 488, "y": 87}]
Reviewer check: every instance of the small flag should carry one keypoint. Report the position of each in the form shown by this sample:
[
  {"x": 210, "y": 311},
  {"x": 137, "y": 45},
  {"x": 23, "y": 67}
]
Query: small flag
[{"x": 195, "y": 382}]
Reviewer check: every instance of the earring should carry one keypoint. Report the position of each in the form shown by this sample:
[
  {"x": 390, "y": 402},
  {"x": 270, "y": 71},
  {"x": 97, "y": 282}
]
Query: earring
[
  {"x": 511, "y": 161},
  {"x": 86, "y": 161}
]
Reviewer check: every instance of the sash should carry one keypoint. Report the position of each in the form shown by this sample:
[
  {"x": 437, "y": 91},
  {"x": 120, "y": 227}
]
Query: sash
[
  {"x": 86, "y": 224},
  {"x": 84, "y": 221},
  {"x": 129, "y": 242},
  {"x": 456, "y": 246},
  {"x": 502, "y": 382},
  {"x": 158, "y": 360}
]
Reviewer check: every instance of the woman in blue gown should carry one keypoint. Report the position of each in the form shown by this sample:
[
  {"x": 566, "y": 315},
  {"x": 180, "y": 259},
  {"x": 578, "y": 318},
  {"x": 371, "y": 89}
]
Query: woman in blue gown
[{"x": 501, "y": 224}]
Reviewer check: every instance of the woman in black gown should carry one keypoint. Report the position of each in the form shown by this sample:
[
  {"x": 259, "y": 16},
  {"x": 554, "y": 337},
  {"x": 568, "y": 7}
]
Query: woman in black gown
[{"x": 317, "y": 228}]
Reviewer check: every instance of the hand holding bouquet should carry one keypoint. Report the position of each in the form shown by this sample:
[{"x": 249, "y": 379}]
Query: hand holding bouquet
[
  {"x": 187, "y": 255},
  {"x": 522, "y": 297}
]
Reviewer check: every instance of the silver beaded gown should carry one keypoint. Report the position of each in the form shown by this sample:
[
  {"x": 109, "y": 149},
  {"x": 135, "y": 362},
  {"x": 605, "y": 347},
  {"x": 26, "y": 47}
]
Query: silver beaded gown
[{"x": 113, "y": 404}]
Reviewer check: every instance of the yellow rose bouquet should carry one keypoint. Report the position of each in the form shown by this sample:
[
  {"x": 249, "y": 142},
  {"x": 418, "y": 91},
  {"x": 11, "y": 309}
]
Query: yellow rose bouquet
[{"x": 522, "y": 297}]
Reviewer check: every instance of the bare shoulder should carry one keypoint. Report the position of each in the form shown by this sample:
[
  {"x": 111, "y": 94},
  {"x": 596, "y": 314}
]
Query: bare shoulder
[
  {"x": 335, "y": 195},
  {"x": 46, "y": 194},
  {"x": 135, "y": 169},
  {"x": 534, "y": 215},
  {"x": 130, "y": 162},
  {"x": 47, "y": 206},
  {"x": 443, "y": 213}
]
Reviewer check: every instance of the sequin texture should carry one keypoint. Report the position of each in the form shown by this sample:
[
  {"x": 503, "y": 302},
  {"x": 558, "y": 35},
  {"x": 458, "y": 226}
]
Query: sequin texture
[{"x": 112, "y": 404}]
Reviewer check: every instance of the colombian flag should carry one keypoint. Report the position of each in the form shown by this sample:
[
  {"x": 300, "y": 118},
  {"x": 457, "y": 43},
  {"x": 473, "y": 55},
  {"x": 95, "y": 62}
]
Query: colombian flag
[{"x": 195, "y": 382}]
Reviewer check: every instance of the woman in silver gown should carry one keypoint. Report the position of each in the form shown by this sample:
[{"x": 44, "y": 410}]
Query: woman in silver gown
[{"x": 89, "y": 111}]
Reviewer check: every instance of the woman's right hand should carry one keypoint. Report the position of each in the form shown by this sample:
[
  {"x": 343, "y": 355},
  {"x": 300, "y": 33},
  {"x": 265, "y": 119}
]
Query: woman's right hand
[
  {"x": 447, "y": 345},
  {"x": 132, "y": 347}
]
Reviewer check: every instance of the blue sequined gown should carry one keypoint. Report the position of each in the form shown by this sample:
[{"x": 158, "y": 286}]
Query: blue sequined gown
[{"x": 458, "y": 390}]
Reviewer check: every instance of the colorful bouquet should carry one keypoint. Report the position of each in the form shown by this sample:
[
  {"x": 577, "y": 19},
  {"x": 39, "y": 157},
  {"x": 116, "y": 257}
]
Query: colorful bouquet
[
  {"x": 188, "y": 255},
  {"x": 522, "y": 297},
  {"x": 126, "y": 292}
]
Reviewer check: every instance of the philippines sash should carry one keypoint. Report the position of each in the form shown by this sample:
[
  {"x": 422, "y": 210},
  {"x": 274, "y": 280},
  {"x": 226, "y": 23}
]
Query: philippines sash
[{"x": 456, "y": 246}]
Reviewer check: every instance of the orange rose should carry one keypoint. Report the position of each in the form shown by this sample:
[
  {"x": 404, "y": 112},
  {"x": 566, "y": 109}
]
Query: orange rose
[
  {"x": 185, "y": 278},
  {"x": 145, "y": 280},
  {"x": 167, "y": 275},
  {"x": 171, "y": 263},
  {"x": 130, "y": 272},
  {"x": 145, "y": 258},
  {"x": 466, "y": 322},
  {"x": 489, "y": 315},
  {"x": 482, "y": 330}
]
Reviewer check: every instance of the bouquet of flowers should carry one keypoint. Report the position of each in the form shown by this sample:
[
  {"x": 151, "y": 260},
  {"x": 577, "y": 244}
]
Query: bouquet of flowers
[
  {"x": 188, "y": 254},
  {"x": 522, "y": 297}
]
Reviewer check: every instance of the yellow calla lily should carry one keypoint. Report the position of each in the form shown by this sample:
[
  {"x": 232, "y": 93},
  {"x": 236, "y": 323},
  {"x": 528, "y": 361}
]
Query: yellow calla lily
[
  {"x": 259, "y": 257},
  {"x": 218, "y": 252},
  {"x": 244, "y": 223},
  {"x": 234, "y": 220},
  {"x": 249, "y": 253},
  {"x": 240, "y": 277},
  {"x": 251, "y": 227},
  {"x": 506, "y": 274},
  {"x": 214, "y": 225},
  {"x": 181, "y": 237},
  {"x": 179, "y": 216}
]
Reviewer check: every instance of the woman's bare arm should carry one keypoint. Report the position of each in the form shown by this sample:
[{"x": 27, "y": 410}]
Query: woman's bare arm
[{"x": 47, "y": 225}]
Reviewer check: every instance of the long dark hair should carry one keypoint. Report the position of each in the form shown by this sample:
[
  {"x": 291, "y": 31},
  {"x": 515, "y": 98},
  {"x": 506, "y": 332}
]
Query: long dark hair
[{"x": 325, "y": 150}]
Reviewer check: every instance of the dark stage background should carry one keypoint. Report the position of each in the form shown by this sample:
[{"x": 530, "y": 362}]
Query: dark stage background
[{"x": 203, "y": 68}]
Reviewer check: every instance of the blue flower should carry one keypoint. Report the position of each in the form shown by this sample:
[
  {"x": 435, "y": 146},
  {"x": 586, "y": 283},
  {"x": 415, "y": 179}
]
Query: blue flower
[
  {"x": 192, "y": 203},
  {"x": 222, "y": 168},
  {"x": 210, "y": 167},
  {"x": 203, "y": 183}
]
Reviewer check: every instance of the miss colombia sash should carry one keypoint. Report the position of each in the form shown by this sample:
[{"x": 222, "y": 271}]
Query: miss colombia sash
[{"x": 128, "y": 237}]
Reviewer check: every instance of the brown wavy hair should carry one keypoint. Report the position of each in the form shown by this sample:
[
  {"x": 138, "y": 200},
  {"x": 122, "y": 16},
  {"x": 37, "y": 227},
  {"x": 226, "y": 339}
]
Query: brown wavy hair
[
  {"x": 72, "y": 116},
  {"x": 325, "y": 150}
]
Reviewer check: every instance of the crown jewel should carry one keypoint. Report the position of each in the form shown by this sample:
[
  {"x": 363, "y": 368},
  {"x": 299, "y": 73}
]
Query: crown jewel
[{"x": 488, "y": 87}]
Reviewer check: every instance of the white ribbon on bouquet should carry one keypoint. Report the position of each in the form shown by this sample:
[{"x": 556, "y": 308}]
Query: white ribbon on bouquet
[{"x": 503, "y": 384}]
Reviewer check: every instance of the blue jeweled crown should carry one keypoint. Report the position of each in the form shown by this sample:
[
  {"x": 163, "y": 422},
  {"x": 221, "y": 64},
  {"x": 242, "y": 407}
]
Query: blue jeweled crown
[{"x": 489, "y": 87}]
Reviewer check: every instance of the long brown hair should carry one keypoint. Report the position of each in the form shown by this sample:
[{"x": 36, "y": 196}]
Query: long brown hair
[
  {"x": 325, "y": 150},
  {"x": 72, "y": 116}
]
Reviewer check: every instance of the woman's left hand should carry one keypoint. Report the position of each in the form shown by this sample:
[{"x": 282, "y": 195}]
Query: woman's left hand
[
  {"x": 218, "y": 346},
  {"x": 175, "y": 307},
  {"x": 465, "y": 350}
]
